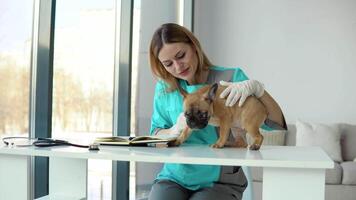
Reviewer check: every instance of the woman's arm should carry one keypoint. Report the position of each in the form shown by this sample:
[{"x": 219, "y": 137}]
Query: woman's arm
[
  {"x": 275, "y": 113},
  {"x": 239, "y": 91},
  {"x": 176, "y": 129},
  {"x": 161, "y": 122}
]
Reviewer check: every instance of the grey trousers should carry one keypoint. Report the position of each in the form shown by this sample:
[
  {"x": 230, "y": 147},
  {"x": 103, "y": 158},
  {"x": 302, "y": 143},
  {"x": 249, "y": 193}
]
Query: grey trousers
[
  {"x": 230, "y": 186},
  {"x": 169, "y": 190}
]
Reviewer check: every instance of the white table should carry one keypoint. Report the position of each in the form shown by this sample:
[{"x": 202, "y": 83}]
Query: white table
[{"x": 288, "y": 172}]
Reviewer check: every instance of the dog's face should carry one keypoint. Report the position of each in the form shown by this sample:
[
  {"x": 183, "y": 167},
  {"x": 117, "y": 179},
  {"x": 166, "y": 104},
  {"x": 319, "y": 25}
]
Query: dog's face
[{"x": 198, "y": 106}]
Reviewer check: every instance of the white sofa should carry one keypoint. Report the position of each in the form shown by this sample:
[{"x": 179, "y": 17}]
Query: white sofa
[{"x": 340, "y": 181}]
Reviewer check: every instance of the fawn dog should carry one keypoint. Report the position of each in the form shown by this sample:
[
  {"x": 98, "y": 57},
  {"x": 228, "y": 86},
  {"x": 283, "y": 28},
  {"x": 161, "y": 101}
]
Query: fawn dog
[{"x": 204, "y": 107}]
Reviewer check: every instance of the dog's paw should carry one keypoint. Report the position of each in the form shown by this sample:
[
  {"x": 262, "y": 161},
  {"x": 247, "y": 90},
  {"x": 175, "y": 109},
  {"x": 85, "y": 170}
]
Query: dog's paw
[
  {"x": 255, "y": 147},
  {"x": 217, "y": 145},
  {"x": 175, "y": 143}
]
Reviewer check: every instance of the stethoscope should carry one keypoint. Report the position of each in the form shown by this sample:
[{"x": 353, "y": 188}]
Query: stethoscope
[{"x": 46, "y": 142}]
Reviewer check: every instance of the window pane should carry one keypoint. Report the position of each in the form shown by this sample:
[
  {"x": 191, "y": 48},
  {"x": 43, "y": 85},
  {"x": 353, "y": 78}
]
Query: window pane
[
  {"x": 15, "y": 62},
  {"x": 83, "y": 80}
]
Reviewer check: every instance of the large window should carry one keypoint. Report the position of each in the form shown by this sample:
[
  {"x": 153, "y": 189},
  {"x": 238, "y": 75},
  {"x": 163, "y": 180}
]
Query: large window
[
  {"x": 15, "y": 62},
  {"x": 86, "y": 37},
  {"x": 84, "y": 49}
]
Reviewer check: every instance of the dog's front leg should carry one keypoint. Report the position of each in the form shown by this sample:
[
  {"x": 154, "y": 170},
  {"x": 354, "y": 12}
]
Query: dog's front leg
[
  {"x": 223, "y": 136},
  {"x": 182, "y": 137}
]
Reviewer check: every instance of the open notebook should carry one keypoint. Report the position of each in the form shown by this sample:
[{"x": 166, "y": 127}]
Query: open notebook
[{"x": 136, "y": 141}]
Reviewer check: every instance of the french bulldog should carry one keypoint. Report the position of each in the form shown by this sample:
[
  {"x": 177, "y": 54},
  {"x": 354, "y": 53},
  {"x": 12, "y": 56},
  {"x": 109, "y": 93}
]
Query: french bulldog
[{"x": 204, "y": 107}]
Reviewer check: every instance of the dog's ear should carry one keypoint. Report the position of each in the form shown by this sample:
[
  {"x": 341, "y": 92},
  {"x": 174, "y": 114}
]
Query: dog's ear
[
  {"x": 212, "y": 92},
  {"x": 182, "y": 92}
]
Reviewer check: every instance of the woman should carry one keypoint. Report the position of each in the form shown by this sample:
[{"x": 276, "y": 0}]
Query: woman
[{"x": 177, "y": 60}]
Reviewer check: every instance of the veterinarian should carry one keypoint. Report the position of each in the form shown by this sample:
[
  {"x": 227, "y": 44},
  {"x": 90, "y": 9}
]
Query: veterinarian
[{"x": 178, "y": 60}]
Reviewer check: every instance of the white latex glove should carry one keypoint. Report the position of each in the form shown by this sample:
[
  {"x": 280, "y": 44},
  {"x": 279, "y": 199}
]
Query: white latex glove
[
  {"x": 181, "y": 123},
  {"x": 176, "y": 129},
  {"x": 241, "y": 90}
]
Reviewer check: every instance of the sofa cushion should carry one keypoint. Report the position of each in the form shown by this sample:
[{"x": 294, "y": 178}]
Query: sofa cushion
[
  {"x": 349, "y": 173},
  {"x": 348, "y": 139},
  {"x": 334, "y": 176},
  {"x": 322, "y": 135},
  {"x": 273, "y": 137},
  {"x": 291, "y": 135}
]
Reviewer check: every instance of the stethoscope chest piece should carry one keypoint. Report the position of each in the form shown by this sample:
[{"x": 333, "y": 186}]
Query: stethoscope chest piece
[{"x": 93, "y": 147}]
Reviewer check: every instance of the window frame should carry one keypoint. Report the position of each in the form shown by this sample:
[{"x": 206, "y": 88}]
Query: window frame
[{"x": 41, "y": 90}]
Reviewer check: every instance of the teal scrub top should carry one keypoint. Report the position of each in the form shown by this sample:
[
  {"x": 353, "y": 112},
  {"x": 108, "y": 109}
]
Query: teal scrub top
[{"x": 166, "y": 108}]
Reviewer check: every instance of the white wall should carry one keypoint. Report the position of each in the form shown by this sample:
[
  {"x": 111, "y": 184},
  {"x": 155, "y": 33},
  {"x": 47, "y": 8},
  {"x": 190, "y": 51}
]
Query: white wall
[{"x": 303, "y": 51}]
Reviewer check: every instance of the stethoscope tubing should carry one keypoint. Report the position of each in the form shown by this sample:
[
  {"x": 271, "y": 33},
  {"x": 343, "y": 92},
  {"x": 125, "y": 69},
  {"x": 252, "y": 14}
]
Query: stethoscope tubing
[{"x": 44, "y": 142}]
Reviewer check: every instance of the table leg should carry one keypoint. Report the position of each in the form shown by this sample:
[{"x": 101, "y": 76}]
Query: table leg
[
  {"x": 14, "y": 177},
  {"x": 68, "y": 178},
  {"x": 293, "y": 184}
]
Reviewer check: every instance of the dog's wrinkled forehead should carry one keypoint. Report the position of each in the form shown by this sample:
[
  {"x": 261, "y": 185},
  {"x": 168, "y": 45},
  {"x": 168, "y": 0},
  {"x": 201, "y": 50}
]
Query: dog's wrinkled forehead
[
  {"x": 196, "y": 104},
  {"x": 196, "y": 114},
  {"x": 195, "y": 109}
]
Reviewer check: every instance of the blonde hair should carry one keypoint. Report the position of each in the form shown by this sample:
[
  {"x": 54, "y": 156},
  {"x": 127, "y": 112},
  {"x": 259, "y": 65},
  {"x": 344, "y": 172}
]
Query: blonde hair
[{"x": 172, "y": 33}]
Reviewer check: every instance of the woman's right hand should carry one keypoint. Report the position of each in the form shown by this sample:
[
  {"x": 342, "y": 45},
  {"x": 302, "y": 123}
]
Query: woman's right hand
[
  {"x": 177, "y": 128},
  {"x": 239, "y": 91},
  {"x": 181, "y": 123}
]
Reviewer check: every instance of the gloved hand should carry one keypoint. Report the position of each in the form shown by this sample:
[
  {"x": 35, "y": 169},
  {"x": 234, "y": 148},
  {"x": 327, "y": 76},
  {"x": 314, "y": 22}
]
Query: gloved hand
[
  {"x": 177, "y": 129},
  {"x": 241, "y": 90},
  {"x": 181, "y": 123}
]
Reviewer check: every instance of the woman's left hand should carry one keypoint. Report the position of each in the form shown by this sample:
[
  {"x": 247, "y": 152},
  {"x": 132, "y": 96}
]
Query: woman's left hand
[{"x": 241, "y": 90}]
